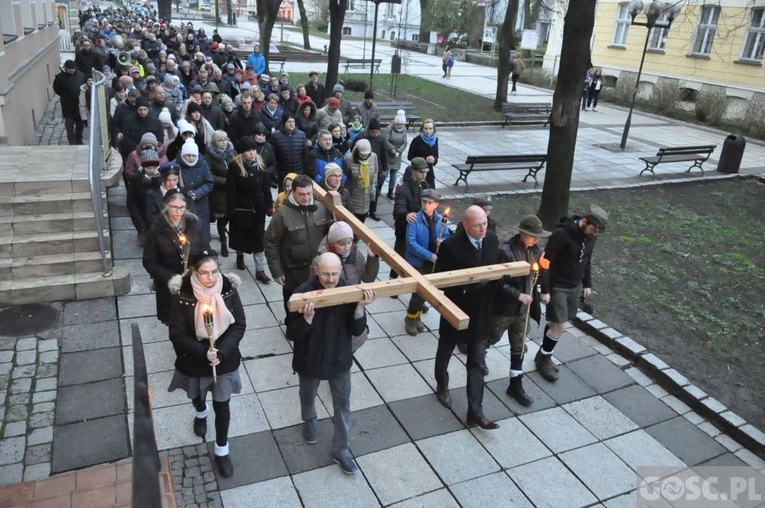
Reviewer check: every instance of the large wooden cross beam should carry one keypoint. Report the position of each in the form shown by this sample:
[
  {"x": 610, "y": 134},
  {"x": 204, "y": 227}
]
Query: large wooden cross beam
[{"x": 411, "y": 280}]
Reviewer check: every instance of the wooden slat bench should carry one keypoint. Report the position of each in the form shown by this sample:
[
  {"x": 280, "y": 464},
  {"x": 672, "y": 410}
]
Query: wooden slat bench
[
  {"x": 532, "y": 163},
  {"x": 388, "y": 111},
  {"x": 362, "y": 62},
  {"x": 533, "y": 112},
  {"x": 272, "y": 59},
  {"x": 698, "y": 154}
]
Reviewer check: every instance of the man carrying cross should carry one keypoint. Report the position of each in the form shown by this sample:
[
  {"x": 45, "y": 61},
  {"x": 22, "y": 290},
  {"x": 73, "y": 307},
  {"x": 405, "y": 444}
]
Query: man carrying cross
[{"x": 473, "y": 246}]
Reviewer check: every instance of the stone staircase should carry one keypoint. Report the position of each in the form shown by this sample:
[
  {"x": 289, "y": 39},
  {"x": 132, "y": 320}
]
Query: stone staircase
[{"x": 48, "y": 240}]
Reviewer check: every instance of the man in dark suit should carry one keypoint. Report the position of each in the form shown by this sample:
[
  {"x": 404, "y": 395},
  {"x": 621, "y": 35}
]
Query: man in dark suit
[{"x": 473, "y": 246}]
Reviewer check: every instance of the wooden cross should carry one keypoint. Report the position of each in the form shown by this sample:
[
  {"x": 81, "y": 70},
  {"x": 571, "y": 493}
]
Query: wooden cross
[{"x": 411, "y": 280}]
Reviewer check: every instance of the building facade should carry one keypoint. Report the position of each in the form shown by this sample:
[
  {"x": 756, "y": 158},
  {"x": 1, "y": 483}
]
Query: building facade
[{"x": 29, "y": 61}]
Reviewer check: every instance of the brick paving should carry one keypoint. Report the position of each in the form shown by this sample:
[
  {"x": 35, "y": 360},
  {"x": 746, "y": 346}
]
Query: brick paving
[{"x": 193, "y": 476}]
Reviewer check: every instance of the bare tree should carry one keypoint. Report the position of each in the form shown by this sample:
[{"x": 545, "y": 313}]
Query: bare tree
[
  {"x": 304, "y": 24},
  {"x": 505, "y": 37},
  {"x": 337, "y": 10},
  {"x": 575, "y": 57},
  {"x": 424, "y": 31},
  {"x": 229, "y": 13},
  {"x": 165, "y": 10},
  {"x": 450, "y": 16},
  {"x": 268, "y": 10}
]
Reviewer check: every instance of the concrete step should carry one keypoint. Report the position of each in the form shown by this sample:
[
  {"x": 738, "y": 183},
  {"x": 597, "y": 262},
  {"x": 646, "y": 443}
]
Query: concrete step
[
  {"x": 55, "y": 264},
  {"x": 78, "y": 286},
  {"x": 52, "y": 203},
  {"x": 47, "y": 223},
  {"x": 45, "y": 244}
]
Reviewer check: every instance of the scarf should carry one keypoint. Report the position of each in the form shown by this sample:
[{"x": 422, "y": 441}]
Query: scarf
[
  {"x": 364, "y": 174},
  {"x": 429, "y": 140},
  {"x": 221, "y": 155},
  {"x": 222, "y": 317}
]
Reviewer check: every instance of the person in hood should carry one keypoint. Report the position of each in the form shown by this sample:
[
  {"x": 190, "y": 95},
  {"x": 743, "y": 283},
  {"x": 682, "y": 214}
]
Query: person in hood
[
  {"x": 288, "y": 103},
  {"x": 197, "y": 184},
  {"x": 67, "y": 86},
  {"x": 271, "y": 113},
  {"x": 306, "y": 120}
]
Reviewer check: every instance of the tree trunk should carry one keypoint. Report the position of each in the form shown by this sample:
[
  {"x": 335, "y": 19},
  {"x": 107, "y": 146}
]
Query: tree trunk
[
  {"x": 505, "y": 38},
  {"x": 337, "y": 10},
  {"x": 575, "y": 55},
  {"x": 229, "y": 13},
  {"x": 527, "y": 14},
  {"x": 424, "y": 32},
  {"x": 165, "y": 10},
  {"x": 268, "y": 10},
  {"x": 304, "y": 24}
]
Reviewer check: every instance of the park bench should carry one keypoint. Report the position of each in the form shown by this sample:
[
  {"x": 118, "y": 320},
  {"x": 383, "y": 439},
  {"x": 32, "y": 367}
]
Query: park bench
[
  {"x": 532, "y": 112},
  {"x": 532, "y": 163},
  {"x": 272, "y": 59},
  {"x": 362, "y": 62},
  {"x": 698, "y": 154},
  {"x": 388, "y": 111}
]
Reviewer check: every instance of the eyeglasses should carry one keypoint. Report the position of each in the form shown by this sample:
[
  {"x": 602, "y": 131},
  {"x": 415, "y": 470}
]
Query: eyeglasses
[
  {"x": 328, "y": 275},
  {"x": 177, "y": 208}
]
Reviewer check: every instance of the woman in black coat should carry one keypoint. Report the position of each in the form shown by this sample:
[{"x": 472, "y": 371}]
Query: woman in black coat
[
  {"x": 248, "y": 199},
  {"x": 220, "y": 153},
  {"x": 163, "y": 250},
  {"x": 266, "y": 152},
  {"x": 426, "y": 146},
  {"x": 204, "y": 290},
  {"x": 169, "y": 173}
]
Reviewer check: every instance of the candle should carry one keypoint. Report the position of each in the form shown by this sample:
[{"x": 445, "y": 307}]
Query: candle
[
  {"x": 186, "y": 250},
  {"x": 207, "y": 314}
]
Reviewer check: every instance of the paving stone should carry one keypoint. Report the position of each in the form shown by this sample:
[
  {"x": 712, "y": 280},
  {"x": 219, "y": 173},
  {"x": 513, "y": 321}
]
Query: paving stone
[
  {"x": 7, "y": 344},
  {"x": 399, "y": 382},
  {"x": 686, "y": 441},
  {"x": 754, "y": 434},
  {"x": 40, "y": 420},
  {"x": 441, "y": 498},
  {"x": 26, "y": 344},
  {"x": 36, "y": 472},
  {"x": 87, "y": 337},
  {"x": 131, "y": 306},
  {"x": 540, "y": 398},
  {"x": 639, "y": 405},
  {"x": 728, "y": 442},
  {"x": 44, "y": 384},
  {"x": 654, "y": 361},
  {"x": 6, "y": 356},
  {"x": 255, "y": 458},
  {"x": 271, "y": 373},
  {"x": 630, "y": 348},
  {"x": 599, "y": 417},
  {"x": 638, "y": 375},
  {"x": 25, "y": 371},
  {"x": 679, "y": 406},
  {"x": 278, "y": 491},
  {"x": 725, "y": 460},
  {"x": 83, "y": 444},
  {"x": 43, "y": 407},
  {"x": 89, "y": 366},
  {"x": 618, "y": 360},
  {"x": 440, "y": 451},
  {"x": 11, "y": 450},
  {"x": 398, "y": 473},
  {"x": 375, "y": 429},
  {"x": 49, "y": 357},
  {"x": 639, "y": 449},
  {"x": 625, "y": 501},
  {"x": 571, "y": 348},
  {"x": 26, "y": 357},
  {"x": 512, "y": 444},
  {"x": 44, "y": 396},
  {"x": 568, "y": 388},
  {"x": 76, "y": 403},
  {"x": 547, "y": 481},
  {"x": 40, "y": 436},
  {"x": 751, "y": 459},
  {"x": 732, "y": 418},
  {"x": 597, "y": 324},
  {"x": 675, "y": 377},
  {"x": 713, "y": 405},
  {"x": 12, "y": 473},
  {"x": 589, "y": 464},
  {"x": 21, "y": 398},
  {"x": 47, "y": 370},
  {"x": 47, "y": 345},
  {"x": 493, "y": 409},
  {"x": 492, "y": 490},
  {"x": 557, "y": 429},
  {"x": 328, "y": 486},
  {"x": 17, "y": 413},
  {"x": 13, "y": 429},
  {"x": 37, "y": 454},
  {"x": 657, "y": 391},
  {"x": 694, "y": 418},
  {"x": 298, "y": 455},
  {"x": 602, "y": 375},
  {"x": 424, "y": 416},
  {"x": 379, "y": 353},
  {"x": 89, "y": 311}
]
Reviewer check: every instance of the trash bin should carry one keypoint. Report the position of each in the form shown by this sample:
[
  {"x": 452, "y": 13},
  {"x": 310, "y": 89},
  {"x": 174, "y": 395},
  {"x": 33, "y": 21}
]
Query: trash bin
[
  {"x": 732, "y": 152},
  {"x": 395, "y": 64}
]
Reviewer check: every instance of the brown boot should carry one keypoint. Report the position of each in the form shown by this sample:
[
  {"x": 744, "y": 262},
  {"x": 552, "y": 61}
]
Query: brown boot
[
  {"x": 420, "y": 326},
  {"x": 410, "y": 325},
  {"x": 261, "y": 276},
  {"x": 545, "y": 366},
  {"x": 516, "y": 391}
]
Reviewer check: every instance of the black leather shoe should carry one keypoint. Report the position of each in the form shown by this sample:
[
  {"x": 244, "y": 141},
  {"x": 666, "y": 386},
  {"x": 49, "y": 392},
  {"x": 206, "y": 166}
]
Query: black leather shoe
[
  {"x": 481, "y": 421},
  {"x": 462, "y": 347},
  {"x": 200, "y": 427},
  {"x": 225, "y": 467},
  {"x": 444, "y": 397},
  {"x": 516, "y": 391},
  {"x": 374, "y": 217},
  {"x": 240, "y": 263}
]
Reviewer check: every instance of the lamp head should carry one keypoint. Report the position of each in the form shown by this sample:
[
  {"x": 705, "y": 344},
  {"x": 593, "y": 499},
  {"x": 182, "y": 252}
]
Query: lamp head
[
  {"x": 635, "y": 6},
  {"x": 674, "y": 11}
]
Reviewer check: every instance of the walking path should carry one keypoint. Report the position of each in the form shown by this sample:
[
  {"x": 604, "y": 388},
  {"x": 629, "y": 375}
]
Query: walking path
[{"x": 579, "y": 444}]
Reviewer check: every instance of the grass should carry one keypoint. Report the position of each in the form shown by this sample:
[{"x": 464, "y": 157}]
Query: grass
[{"x": 431, "y": 100}]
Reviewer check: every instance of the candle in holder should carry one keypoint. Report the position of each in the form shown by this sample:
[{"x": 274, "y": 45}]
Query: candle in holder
[
  {"x": 536, "y": 267},
  {"x": 207, "y": 314},
  {"x": 444, "y": 222},
  {"x": 186, "y": 249}
]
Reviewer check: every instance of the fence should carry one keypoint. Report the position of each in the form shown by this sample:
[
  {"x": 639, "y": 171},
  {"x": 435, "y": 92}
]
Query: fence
[{"x": 98, "y": 152}]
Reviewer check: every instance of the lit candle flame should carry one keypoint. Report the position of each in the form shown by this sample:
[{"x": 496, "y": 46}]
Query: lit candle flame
[
  {"x": 183, "y": 239},
  {"x": 535, "y": 267},
  {"x": 447, "y": 212},
  {"x": 207, "y": 309}
]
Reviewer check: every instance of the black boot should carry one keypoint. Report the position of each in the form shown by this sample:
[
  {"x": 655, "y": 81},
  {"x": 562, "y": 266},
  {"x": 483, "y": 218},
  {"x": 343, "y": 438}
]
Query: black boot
[
  {"x": 223, "y": 247},
  {"x": 223, "y": 239},
  {"x": 516, "y": 391},
  {"x": 373, "y": 211},
  {"x": 200, "y": 427},
  {"x": 240, "y": 262}
]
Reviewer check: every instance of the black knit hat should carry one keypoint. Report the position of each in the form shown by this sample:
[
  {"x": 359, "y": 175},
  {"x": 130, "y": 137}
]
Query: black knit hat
[{"x": 198, "y": 258}]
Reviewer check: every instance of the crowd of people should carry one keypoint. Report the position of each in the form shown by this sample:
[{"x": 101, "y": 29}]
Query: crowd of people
[{"x": 206, "y": 137}]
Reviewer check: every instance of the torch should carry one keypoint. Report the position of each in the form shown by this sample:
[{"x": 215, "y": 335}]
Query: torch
[
  {"x": 536, "y": 267},
  {"x": 444, "y": 221},
  {"x": 186, "y": 249},
  {"x": 207, "y": 314}
]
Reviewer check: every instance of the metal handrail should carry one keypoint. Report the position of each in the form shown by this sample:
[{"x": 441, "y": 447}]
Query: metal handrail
[{"x": 96, "y": 166}]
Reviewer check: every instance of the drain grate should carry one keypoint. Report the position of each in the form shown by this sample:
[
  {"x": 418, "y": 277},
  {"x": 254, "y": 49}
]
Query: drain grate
[{"x": 25, "y": 320}]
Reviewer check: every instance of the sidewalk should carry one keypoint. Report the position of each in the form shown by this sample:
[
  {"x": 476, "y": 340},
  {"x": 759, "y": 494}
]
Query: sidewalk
[{"x": 581, "y": 441}]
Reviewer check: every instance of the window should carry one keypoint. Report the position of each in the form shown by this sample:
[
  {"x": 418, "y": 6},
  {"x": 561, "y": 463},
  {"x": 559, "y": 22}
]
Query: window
[
  {"x": 658, "y": 38},
  {"x": 754, "y": 41},
  {"x": 623, "y": 20},
  {"x": 705, "y": 34},
  {"x": 346, "y": 30}
]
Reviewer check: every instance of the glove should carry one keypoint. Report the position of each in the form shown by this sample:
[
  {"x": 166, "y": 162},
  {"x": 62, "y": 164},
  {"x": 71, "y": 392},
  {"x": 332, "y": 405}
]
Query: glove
[
  {"x": 270, "y": 211},
  {"x": 482, "y": 284}
]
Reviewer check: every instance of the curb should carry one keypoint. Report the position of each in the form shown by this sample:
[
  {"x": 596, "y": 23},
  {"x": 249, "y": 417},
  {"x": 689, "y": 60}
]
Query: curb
[{"x": 675, "y": 383}]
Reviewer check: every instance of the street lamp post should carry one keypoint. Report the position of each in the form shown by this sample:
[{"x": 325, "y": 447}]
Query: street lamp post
[{"x": 652, "y": 13}]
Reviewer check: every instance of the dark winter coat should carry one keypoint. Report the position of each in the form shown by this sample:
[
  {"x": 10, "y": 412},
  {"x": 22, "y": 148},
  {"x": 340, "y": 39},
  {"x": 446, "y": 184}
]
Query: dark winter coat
[
  {"x": 317, "y": 159},
  {"x": 289, "y": 149},
  {"x": 418, "y": 148},
  {"x": 456, "y": 253},
  {"x": 214, "y": 115},
  {"x": 307, "y": 124},
  {"x": 569, "y": 251},
  {"x": 248, "y": 199},
  {"x": 271, "y": 119},
  {"x": 67, "y": 87},
  {"x": 317, "y": 93},
  {"x": 323, "y": 348},
  {"x": 219, "y": 169},
  {"x": 198, "y": 179},
  {"x": 137, "y": 192},
  {"x": 266, "y": 152},
  {"x": 135, "y": 127},
  {"x": 86, "y": 62},
  {"x": 510, "y": 288},
  {"x": 240, "y": 125},
  {"x": 191, "y": 353}
]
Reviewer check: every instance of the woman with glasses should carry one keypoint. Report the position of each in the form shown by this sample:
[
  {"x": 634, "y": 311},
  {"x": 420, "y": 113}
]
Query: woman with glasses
[
  {"x": 164, "y": 246},
  {"x": 206, "y": 307}
]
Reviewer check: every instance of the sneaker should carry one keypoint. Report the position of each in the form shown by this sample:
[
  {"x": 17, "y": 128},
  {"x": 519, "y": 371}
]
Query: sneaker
[
  {"x": 225, "y": 467},
  {"x": 309, "y": 431},
  {"x": 346, "y": 463},
  {"x": 595, "y": 110}
]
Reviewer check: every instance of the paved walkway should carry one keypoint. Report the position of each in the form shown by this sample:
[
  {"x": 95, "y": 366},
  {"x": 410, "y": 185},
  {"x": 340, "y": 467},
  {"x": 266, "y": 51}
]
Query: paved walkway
[{"x": 581, "y": 441}]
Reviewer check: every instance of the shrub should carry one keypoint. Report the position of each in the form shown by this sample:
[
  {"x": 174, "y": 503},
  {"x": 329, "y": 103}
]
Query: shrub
[
  {"x": 755, "y": 118},
  {"x": 622, "y": 93},
  {"x": 710, "y": 107},
  {"x": 664, "y": 98},
  {"x": 540, "y": 78},
  {"x": 355, "y": 84}
]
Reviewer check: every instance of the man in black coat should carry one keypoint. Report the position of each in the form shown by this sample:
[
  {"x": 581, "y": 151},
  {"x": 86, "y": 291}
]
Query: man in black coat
[
  {"x": 323, "y": 352},
  {"x": 137, "y": 125},
  {"x": 242, "y": 121},
  {"x": 212, "y": 113},
  {"x": 408, "y": 203},
  {"x": 67, "y": 86},
  {"x": 88, "y": 59},
  {"x": 315, "y": 90},
  {"x": 290, "y": 147},
  {"x": 473, "y": 246}
]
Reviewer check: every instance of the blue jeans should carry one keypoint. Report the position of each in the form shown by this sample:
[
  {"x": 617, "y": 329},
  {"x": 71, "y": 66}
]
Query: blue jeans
[{"x": 341, "y": 403}]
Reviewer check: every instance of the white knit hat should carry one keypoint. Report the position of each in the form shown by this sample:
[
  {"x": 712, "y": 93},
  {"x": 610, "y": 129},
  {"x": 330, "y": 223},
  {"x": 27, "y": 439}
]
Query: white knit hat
[
  {"x": 165, "y": 116},
  {"x": 339, "y": 231},
  {"x": 400, "y": 117},
  {"x": 190, "y": 148},
  {"x": 185, "y": 126}
]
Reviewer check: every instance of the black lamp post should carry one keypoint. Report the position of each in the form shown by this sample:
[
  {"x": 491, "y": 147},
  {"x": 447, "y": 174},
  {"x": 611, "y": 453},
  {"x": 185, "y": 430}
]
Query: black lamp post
[{"x": 652, "y": 13}]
